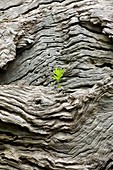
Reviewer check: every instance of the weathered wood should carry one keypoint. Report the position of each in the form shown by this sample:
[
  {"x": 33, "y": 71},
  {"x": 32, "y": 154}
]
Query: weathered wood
[{"x": 43, "y": 127}]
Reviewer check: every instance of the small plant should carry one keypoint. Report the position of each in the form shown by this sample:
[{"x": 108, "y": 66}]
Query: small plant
[{"x": 58, "y": 73}]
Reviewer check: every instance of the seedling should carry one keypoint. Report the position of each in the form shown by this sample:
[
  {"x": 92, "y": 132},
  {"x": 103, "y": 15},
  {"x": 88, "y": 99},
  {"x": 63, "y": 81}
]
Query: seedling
[{"x": 58, "y": 73}]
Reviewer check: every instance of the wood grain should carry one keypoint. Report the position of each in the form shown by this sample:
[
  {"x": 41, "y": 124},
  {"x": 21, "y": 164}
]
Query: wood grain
[{"x": 43, "y": 127}]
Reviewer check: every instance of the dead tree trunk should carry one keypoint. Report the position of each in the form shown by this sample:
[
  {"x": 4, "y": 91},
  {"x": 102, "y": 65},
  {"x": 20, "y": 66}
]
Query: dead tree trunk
[{"x": 43, "y": 127}]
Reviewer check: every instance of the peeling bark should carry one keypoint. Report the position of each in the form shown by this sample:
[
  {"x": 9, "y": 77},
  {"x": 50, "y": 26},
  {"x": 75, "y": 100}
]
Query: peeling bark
[{"x": 43, "y": 127}]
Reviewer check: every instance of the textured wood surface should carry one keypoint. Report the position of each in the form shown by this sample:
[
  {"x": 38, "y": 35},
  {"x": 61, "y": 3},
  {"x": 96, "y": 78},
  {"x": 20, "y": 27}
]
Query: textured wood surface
[{"x": 43, "y": 127}]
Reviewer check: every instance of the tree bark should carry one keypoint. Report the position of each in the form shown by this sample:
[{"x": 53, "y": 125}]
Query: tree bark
[{"x": 43, "y": 127}]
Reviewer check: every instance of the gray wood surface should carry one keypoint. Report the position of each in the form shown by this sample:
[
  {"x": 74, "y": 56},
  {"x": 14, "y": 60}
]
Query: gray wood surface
[{"x": 43, "y": 127}]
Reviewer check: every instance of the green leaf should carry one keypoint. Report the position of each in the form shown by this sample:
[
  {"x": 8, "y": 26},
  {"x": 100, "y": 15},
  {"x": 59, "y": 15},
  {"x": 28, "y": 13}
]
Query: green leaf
[{"x": 58, "y": 73}]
